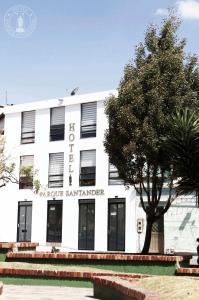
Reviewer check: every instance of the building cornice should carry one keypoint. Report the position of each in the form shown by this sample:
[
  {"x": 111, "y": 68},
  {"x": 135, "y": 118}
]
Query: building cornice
[{"x": 65, "y": 101}]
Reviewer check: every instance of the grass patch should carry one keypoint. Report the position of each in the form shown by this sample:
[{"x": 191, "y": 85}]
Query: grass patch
[
  {"x": 3, "y": 256},
  {"x": 149, "y": 267},
  {"x": 20, "y": 280}
]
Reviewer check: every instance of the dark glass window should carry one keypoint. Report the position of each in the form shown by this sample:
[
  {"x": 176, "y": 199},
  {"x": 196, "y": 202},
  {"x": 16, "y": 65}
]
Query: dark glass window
[
  {"x": 57, "y": 123},
  {"x": 26, "y": 172},
  {"x": 116, "y": 225},
  {"x": 88, "y": 119},
  {"x": 56, "y": 170},
  {"x": 113, "y": 177},
  {"x": 87, "y": 167},
  {"x": 28, "y": 127},
  {"x": 54, "y": 221},
  {"x": 86, "y": 224}
]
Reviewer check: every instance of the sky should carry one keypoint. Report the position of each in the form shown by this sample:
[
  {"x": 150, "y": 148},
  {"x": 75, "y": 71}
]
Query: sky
[{"x": 83, "y": 44}]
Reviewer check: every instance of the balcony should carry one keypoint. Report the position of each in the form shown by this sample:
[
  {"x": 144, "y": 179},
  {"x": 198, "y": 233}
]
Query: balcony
[
  {"x": 87, "y": 176},
  {"x": 26, "y": 182},
  {"x": 55, "y": 181},
  {"x": 27, "y": 137},
  {"x": 57, "y": 132},
  {"x": 88, "y": 131}
]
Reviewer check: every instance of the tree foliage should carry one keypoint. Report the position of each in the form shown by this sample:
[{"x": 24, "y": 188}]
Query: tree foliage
[
  {"x": 157, "y": 81},
  {"x": 183, "y": 146},
  {"x": 6, "y": 169}
]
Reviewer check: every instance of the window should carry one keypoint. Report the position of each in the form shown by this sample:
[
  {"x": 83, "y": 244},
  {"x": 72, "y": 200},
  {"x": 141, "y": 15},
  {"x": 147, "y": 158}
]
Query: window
[
  {"x": 26, "y": 172},
  {"x": 88, "y": 119},
  {"x": 56, "y": 170},
  {"x": 113, "y": 177},
  {"x": 28, "y": 127},
  {"x": 86, "y": 224},
  {"x": 87, "y": 167},
  {"x": 57, "y": 123}
]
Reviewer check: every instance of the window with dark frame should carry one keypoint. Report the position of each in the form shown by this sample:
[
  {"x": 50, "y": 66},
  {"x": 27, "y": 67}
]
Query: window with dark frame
[
  {"x": 116, "y": 224},
  {"x": 26, "y": 172},
  {"x": 56, "y": 170},
  {"x": 28, "y": 127},
  {"x": 57, "y": 123},
  {"x": 113, "y": 176},
  {"x": 88, "y": 119},
  {"x": 86, "y": 234},
  {"x": 87, "y": 167},
  {"x": 54, "y": 221}
]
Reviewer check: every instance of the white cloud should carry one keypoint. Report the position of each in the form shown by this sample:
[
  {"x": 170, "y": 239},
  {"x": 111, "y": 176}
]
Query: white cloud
[{"x": 187, "y": 9}]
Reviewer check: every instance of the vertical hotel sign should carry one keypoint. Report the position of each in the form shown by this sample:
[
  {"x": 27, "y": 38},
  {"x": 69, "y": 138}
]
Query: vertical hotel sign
[{"x": 71, "y": 139}]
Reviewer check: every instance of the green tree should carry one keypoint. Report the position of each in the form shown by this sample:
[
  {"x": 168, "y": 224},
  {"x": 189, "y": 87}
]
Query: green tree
[
  {"x": 183, "y": 146},
  {"x": 159, "y": 80},
  {"x": 6, "y": 169}
]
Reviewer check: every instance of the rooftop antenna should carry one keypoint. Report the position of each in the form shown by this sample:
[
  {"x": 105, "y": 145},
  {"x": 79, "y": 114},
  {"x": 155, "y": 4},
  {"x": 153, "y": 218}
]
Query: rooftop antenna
[
  {"x": 6, "y": 97},
  {"x": 74, "y": 92}
]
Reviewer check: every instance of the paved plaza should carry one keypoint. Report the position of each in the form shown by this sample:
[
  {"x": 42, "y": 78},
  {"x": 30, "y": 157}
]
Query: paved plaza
[{"x": 15, "y": 292}]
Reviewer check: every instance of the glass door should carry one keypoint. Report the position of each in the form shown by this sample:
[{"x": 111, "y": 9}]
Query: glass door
[
  {"x": 54, "y": 222},
  {"x": 116, "y": 225},
  {"x": 86, "y": 224},
  {"x": 24, "y": 221}
]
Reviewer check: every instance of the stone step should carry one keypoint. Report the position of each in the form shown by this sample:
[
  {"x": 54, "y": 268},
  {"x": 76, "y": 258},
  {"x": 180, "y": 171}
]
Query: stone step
[
  {"x": 187, "y": 271},
  {"x": 96, "y": 256},
  {"x": 20, "y": 245},
  {"x": 87, "y": 274}
]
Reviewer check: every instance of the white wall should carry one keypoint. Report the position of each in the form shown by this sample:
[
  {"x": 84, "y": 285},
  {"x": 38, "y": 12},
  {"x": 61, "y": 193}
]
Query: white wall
[{"x": 41, "y": 149}]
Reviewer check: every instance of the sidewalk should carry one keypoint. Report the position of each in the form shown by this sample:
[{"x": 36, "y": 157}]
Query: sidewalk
[{"x": 15, "y": 292}]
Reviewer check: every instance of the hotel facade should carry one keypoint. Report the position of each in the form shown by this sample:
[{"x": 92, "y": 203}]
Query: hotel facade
[{"x": 82, "y": 205}]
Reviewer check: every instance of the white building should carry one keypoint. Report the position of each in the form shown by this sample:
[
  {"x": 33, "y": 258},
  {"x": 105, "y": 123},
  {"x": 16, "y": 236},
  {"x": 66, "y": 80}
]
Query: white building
[{"x": 82, "y": 204}]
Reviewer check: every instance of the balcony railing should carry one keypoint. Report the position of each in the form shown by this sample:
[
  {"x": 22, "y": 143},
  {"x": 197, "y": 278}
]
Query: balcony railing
[
  {"x": 55, "y": 181},
  {"x": 57, "y": 132},
  {"x": 27, "y": 137},
  {"x": 114, "y": 178},
  {"x": 87, "y": 176},
  {"x": 88, "y": 131},
  {"x": 26, "y": 182}
]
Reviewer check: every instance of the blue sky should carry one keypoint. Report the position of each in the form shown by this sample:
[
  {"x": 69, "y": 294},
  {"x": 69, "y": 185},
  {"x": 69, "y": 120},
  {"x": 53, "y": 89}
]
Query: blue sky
[{"x": 80, "y": 43}]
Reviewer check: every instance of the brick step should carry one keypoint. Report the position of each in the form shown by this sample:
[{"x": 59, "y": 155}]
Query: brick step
[
  {"x": 87, "y": 275},
  {"x": 118, "y": 288},
  {"x": 21, "y": 245},
  {"x": 191, "y": 271},
  {"x": 95, "y": 256}
]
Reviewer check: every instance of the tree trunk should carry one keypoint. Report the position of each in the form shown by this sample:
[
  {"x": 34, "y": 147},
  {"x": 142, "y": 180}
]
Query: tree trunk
[{"x": 147, "y": 241}]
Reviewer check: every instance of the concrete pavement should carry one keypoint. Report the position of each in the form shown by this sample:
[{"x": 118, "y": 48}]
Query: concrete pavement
[{"x": 16, "y": 292}]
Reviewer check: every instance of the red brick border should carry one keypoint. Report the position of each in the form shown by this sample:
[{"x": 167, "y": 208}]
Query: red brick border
[
  {"x": 18, "y": 245},
  {"x": 187, "y": 271},
  {"x": 126, "y": 288},
  {"x": 96, "y": 256},
  {"x": 65, "y": 274}
]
